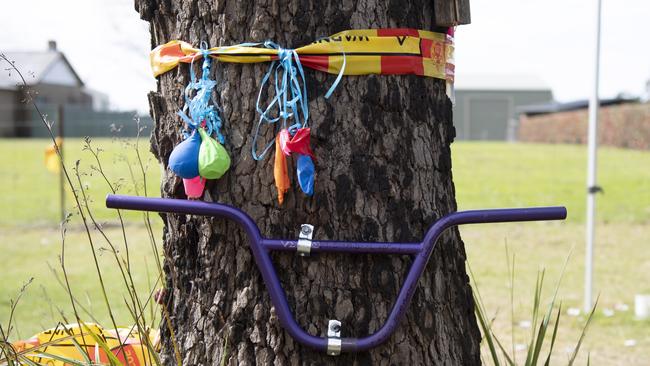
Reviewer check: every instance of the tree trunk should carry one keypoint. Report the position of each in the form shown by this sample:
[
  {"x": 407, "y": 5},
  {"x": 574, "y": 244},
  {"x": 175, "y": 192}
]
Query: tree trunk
[{"x": 383, "y": 173}]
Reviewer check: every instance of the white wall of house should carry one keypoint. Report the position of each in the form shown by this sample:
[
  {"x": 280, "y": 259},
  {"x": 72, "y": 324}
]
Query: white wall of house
[{"x": 59, "y": 73}]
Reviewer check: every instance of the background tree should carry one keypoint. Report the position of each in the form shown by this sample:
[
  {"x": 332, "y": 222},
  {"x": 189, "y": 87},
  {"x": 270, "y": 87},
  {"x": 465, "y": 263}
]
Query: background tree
[{"x": 383, "y": 174}]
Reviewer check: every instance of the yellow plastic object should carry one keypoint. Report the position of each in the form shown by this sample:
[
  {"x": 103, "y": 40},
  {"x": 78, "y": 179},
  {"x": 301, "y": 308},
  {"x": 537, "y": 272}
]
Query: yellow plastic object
[
  {"x": 52, "y": 162},
  {"x": 366, "y": 51},
  {"x": 53, "y": 346}
]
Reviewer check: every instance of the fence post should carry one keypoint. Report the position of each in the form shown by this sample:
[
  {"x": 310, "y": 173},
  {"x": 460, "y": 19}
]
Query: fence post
[{"x": 60, "y": 134}]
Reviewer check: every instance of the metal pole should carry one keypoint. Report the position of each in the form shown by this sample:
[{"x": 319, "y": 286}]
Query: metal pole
[
  {"x": 60, "y": 133},
  {"x": 592, "y": 187}
]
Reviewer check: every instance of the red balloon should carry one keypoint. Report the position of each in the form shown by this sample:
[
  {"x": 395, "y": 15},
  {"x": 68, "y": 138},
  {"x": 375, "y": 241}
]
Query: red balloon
[{"x": 298, "y": 143}]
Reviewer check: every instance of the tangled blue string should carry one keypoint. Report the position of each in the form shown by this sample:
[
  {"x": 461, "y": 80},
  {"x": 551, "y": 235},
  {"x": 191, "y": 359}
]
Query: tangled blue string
[
  {"x": 290, "y": 98},
  {"x": 201, "y": 107}
]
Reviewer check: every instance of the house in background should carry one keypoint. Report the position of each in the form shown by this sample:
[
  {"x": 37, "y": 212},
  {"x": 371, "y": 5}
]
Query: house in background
[
  {"x": 50, "y": 79},
  {"x": 55, "y": 86},
  {"x": 486, "y": 105}
]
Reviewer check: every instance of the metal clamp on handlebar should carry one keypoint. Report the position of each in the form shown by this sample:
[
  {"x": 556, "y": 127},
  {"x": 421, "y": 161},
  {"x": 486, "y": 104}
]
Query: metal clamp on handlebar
[
  {"x": 334, "y": 338},
  {"x": 304, "y": 240}
]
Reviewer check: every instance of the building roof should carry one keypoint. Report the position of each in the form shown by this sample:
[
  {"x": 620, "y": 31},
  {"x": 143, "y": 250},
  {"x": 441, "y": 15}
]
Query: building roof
[
  {"x": 500, "y": 82},
  {"x": 532, "y": 110},
  {"x": 36, "y": 68}
]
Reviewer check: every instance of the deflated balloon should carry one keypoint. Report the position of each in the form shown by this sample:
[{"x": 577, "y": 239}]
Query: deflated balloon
[
  {"x": 283, "y": 138},
  {"x": 298, "y": 143},
  {"x": 280, "y": 171},
  {"x": 184, "y": 159},
  {"x": 214, "y": 160},
  {"x": 194, "y": 186},
  {"x": 306, "y": 174}
]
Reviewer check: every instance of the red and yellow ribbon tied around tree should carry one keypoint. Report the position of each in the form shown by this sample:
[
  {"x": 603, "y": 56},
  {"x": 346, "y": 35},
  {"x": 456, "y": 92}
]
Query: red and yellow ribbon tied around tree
[
  {"x": 352, "y": 52},
  {"x": 365, "y": 51}
]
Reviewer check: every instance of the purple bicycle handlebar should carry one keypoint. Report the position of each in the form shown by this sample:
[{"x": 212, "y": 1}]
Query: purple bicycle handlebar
[{"x": 261, "y": 247}]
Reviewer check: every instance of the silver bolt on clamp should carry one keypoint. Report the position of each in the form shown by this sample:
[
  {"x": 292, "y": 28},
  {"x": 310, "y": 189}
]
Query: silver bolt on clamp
[
  {"x": 304, "y": 239},
  {"x": 334, "y": 338}
]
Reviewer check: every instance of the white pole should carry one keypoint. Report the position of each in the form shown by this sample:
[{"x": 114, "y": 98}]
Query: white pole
[{"x": 592, "y": 187}]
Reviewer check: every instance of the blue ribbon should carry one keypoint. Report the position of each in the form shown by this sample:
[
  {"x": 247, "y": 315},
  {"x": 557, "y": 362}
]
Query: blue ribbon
[
  {"x": 290, "y": 98},
  {"x": 199, "y": 106},
  {"x": 338, "y": 79}
]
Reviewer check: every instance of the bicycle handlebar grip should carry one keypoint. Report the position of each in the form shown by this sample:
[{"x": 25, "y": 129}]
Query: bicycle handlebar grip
[{"x": 508, "y": 215}]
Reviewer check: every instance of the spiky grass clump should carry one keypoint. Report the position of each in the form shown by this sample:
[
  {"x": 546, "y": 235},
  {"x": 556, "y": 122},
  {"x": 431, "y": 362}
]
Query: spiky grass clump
[{"x": 541, "y": 322}]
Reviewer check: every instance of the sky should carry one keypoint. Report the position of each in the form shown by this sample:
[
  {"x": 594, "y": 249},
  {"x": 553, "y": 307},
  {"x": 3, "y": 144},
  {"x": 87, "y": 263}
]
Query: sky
[
  {"x": 104, "y": 40},
  {"x": 553, "y": 40}
]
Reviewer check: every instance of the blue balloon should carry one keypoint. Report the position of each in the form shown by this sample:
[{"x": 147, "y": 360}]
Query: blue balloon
[
  {"x": 184, "y": 159},
  {"x": 306, "y": 174}
]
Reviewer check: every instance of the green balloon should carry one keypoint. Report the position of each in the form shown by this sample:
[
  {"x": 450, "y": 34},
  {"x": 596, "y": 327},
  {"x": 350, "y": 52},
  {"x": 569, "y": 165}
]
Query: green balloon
[{"x": 214, "y": 160}]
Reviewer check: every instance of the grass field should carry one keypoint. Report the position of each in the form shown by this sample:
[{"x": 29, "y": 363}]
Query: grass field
[
  {"x": 30, "y": 195},
  {"x": 485, "y": 174},
  {"x": 516, "y": 175}
]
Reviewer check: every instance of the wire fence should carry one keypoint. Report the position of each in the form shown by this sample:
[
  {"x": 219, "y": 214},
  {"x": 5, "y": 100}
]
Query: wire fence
[{"x": 22, "y": 120}]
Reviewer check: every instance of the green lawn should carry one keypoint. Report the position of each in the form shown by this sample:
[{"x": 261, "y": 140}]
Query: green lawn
[
  {"x": 516, "y": 175},
  {"x": 485, "y": 174},
  {"x": 29, "y": 193},
  {"x": 32, "y": 253}
]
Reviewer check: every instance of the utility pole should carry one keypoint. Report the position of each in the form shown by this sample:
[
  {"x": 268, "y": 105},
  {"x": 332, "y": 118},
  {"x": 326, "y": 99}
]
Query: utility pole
[{"x": 592, "y": 186}]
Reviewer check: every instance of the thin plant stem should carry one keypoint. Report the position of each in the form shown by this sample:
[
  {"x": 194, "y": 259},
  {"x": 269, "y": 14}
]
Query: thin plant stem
[
  {"x": 126, "y": 274},
  {"x": 67, "y": 282},
  {"x": 57, "y": 148},
  {"x": 81, "y": 203},
  {"x": 14, "y": 304},
  {"x": 100, "y": 170},
  {"x": 69, "y": 292},
  {"x": 511, "y": 277},
  {"x": 94, "y": 253}
]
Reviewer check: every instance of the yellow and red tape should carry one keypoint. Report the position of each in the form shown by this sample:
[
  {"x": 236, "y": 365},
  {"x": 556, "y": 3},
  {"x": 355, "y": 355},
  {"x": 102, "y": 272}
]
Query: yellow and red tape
[{"x": 368, "y": 51}]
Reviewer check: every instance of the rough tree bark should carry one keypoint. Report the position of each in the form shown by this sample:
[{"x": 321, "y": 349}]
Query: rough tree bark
[{"x": 383, "y": 174}]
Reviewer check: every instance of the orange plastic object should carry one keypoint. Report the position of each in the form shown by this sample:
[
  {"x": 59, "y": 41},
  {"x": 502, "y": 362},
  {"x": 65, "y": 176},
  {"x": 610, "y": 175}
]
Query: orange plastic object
[
  {"x": 64, "y": 344},
  {"x": 280, "y": 172}
]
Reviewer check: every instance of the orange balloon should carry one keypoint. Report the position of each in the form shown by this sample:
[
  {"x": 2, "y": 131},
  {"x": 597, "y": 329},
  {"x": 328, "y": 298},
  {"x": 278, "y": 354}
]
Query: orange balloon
[{"x": 280, "y": 171}]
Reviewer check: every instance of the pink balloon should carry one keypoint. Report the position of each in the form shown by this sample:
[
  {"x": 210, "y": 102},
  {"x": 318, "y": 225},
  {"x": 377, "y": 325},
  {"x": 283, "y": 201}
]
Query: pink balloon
[
  {"x": 194, "y": 186},
  {"x": 284, "y": 138}
]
